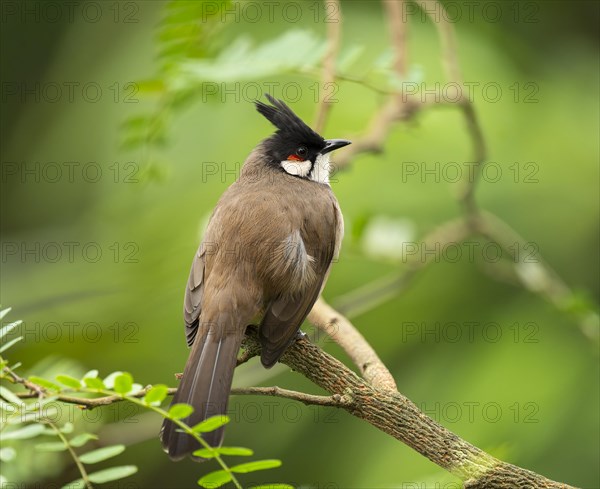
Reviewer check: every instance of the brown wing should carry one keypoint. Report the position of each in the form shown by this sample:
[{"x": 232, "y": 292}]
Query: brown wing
[
  {"x": 193, "y": 296},
  {"x": 285, "y": 314},
  {"x": 282, "y": 322}
]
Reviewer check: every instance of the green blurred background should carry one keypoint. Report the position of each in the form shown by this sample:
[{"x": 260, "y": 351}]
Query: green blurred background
[{"x": 530, "y": 397}]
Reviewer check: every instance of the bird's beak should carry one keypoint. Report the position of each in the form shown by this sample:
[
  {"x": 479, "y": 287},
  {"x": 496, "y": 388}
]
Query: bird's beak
[{"x": 333, "y": 144}]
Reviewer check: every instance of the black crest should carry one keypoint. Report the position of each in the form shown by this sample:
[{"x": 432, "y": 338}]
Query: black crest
[{"x": 287, "y": 123}]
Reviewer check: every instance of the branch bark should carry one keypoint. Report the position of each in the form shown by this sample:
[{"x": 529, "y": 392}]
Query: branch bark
[
  {"x": 354, "y": 344},
  {"x": 394, "y": 414}
]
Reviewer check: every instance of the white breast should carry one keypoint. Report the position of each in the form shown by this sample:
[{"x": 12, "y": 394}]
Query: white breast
[{"x": 321, "y": 168}]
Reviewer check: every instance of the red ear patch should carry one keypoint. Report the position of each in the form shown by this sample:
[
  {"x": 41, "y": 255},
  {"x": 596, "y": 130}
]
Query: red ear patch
[{"x": 294, "y": 158}]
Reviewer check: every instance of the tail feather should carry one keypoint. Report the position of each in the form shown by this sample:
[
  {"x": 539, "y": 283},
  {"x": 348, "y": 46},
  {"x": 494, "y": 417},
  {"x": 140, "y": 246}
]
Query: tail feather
[{"x": 205, "y": 385}]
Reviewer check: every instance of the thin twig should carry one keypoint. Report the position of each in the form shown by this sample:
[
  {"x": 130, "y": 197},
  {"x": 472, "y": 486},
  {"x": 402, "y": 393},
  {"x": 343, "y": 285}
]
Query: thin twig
[
  {"x": 436, "y": 11},
  {"x": 543, "y": 279},
  {"x": 328, "y": 75},
  {"x": 374, "y": 139},
  {"x": 91, "y": 403},
  {"x": 362, "y": 81},
  {"x": 80, "y": 467},
  {"x": 335, "y": 400},
  {"x": 188, "y": 429},
  {"x": 394, "y": 9},
  {"x": 467, "y": 195},
  {"x": 37, "y": 390}
]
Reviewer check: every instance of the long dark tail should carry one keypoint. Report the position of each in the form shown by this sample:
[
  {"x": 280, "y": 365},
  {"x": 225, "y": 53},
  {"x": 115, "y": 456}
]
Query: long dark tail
[{"x": 206, "y": 385}]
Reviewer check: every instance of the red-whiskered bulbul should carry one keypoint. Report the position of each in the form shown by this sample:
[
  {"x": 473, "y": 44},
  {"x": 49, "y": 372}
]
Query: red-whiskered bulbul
[{"x": 265, "y": 257}]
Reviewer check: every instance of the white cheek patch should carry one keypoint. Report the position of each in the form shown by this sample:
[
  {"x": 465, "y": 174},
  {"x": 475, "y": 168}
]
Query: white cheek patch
[
  {"x": 297, "y": 168},
  {"x": 320, "y": 172}
]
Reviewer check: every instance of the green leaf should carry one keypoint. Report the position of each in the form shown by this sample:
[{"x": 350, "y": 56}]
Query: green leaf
[
  {"x": 154, "y": 171},
  {"x": 91, "y": 374},
  {"x": 94, "y": 383},
  {"x": 384, "y": 60},
  {"x": 181, "y": 410},
  {"x": 54, "y": 446},
  {"x": 273, "y": 486},
  {"x": 215, "y": 479},
  {"x": 243, "y": 61},
  {"x": 82, "y": 439},
  {"x": 7, "y": 409},
  {"x": 211, "y": 424},
  {"x": 101, "y": 454},
  {"x": 348, "y": 57},
  {"x": 3, "y": 313},
  {"x": 39, "y": 414},
  {"x": 76, "y": 484},
  {"x": 7, "y": 454},
  {"x": 137, "y": 122},
  {"x": 156, "y": 394},
  {"x": 109, "y": 381},
  {"x": 45, "y": 383},
  {"x": 144, "y": 129},
  {"x": 123, "y": 383},
  {"x": 254, "y": 466},
  {"x": 67, "y": 428},
  {"x": 10, "y": 396},
  {"x": 113, "y": 474},
  {"x": 238, "y": 451},
  {"x": 150, "y": 86},
  {"x": 28, "y": 431},
  {"x": 205, "y": 453},
  {"x": 6, "y": 346},
  {"x": 9, "y": 327},
  {"x": 69, "y": 381}
]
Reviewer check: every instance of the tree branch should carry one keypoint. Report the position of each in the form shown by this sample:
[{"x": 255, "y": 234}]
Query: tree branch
[
  {"x": 397, "y": 416},
  {"x": 334, "y": 33},
  {"x": 379, "y": 128},
  {"x": 401, "y": 107},
  {"x": 394, "y": 9},
  {"x": 92, "y": 402},
  {"x": 383, "y": 408},
  {"x": 353, "y": 343},
  {"x": 447, "y": 39}
]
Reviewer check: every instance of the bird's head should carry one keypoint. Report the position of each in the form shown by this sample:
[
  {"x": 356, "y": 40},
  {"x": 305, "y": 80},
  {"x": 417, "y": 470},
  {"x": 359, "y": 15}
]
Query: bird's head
[{"x": 295, "y": 148}]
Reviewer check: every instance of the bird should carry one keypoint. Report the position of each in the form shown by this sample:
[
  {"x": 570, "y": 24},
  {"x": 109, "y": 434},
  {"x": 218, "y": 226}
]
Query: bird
[{"x": 265, "y": 257}]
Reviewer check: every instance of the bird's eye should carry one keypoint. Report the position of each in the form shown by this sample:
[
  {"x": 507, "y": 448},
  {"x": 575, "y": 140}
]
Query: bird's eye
[{"x": 302, "y": 151}]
